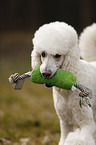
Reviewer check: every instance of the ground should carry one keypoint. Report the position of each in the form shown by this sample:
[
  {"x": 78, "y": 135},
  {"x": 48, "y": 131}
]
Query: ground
[{"x": 27, "y": 116}]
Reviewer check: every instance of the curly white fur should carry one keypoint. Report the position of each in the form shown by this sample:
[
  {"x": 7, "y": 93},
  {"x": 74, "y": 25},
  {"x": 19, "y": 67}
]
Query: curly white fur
[
  {"x": 60, "y": 38},
  {"x": 87, "y": 43}
]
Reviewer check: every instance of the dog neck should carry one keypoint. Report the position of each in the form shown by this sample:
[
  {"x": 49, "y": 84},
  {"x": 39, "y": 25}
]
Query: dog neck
[{"x": 71, "y": 62}]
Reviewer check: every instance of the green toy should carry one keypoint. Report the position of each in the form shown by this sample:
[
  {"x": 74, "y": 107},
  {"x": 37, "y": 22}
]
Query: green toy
[{"x": 61, "y": 79}]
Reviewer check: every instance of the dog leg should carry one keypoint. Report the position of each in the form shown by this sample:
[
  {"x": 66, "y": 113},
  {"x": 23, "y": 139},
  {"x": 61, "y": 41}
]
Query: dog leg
[
  {"x": 65, "y": 129},
  {"x": 84, "y": 134}
]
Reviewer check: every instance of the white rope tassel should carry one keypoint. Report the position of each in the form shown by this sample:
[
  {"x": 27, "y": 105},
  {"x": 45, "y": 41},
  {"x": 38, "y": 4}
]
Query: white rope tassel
[{"x": 18, "y": 80}]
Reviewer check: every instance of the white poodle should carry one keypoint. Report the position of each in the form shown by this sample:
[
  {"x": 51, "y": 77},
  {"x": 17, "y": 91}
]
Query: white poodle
[{"x": 56, "y": 46}]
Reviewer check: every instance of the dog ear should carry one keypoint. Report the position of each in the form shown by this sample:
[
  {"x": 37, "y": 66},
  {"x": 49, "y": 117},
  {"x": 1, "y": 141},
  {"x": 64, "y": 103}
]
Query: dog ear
[
  {"x": 71, "y": 60},
  {"x": 35, "y": 59}
]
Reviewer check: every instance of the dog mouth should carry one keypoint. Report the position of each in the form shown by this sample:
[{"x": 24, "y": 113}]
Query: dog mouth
[{"x": 48, "y": 86}]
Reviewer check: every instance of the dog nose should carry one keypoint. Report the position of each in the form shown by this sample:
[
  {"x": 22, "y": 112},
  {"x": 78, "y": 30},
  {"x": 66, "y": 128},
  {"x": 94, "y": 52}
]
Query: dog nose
[{"x": 46, "y": 74}]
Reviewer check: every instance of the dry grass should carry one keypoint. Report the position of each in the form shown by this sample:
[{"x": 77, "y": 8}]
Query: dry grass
[{"x": 28, "y": 113}]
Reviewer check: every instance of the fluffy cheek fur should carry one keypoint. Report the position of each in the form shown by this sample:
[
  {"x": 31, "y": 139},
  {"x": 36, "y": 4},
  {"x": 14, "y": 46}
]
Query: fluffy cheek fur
[{"x": 35, "y": 59}]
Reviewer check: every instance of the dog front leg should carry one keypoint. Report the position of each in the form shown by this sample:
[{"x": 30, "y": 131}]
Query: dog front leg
[
  {"x": 81, "y": 136},
  {"x": 84, "y": 134},
  {"x": 65, "y": 129}
]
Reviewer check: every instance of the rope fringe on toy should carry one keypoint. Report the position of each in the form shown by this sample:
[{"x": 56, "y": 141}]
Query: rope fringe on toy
[
  {"x": 18, "y": 80},
  {"x": 85, "y": 94}
]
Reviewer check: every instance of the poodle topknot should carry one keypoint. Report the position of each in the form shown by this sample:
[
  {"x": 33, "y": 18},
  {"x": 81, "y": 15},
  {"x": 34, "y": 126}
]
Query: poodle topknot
[{"x": 55, "y": 38}]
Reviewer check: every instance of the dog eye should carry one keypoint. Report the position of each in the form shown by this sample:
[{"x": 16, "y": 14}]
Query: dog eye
[
  {"x": 57, "y": 56},
  {"x": 43, "y": 54}
]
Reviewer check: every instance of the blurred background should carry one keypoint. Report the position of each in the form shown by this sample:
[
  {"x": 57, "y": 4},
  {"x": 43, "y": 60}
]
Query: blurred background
[{"x": 28, "y": 116}]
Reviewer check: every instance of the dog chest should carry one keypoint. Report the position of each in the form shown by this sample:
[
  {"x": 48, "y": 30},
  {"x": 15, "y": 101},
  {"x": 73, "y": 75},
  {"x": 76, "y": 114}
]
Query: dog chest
[{"x": 61, "y": 103}]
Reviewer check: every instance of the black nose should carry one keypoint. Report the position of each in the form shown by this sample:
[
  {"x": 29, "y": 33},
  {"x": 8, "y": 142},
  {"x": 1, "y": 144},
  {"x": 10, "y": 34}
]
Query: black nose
[{"x": 46, "y": 74}]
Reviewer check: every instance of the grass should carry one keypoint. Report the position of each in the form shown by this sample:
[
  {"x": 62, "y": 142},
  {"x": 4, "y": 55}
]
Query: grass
[{"x": 26, "y": 115}]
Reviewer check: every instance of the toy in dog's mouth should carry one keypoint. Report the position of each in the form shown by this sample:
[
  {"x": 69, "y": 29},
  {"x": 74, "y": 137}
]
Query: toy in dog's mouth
[
  {"x": 61, "y": 79},
  {"x": 48, "y": 86}
]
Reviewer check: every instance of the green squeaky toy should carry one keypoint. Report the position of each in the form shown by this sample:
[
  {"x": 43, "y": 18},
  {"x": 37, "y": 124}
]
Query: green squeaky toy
[{"x": 61, "y": 79}]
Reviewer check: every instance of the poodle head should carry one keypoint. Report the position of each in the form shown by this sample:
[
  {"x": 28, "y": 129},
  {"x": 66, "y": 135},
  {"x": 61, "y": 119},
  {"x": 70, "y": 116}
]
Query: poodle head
[{"x": 57, "y": 38}]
